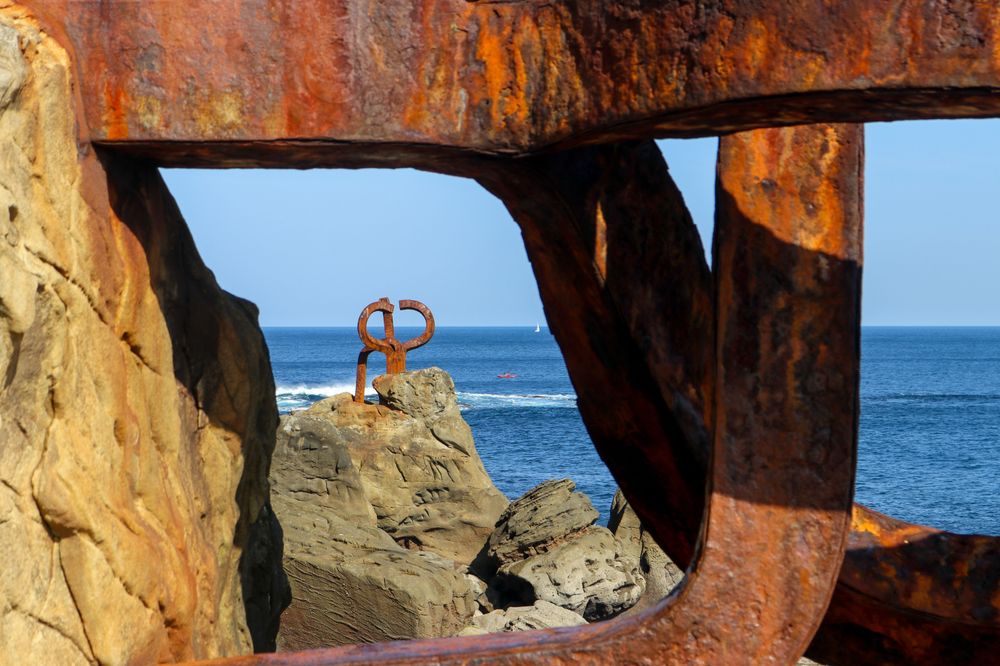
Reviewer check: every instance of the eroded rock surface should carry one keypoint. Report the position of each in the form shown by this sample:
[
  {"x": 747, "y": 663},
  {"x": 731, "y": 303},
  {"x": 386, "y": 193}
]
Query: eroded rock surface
[
  {"x": 354, "y": 584},
  {"x": 351, "y": 582},
  {"x": 413, "y": 459},
  {"x": 548, "y": 549},
  {"x": 312, "y": 465},
  {"x": 588, "y": 574},
  {"x": 136, "y": 404},
  {"x": 541, "y": 615},
  {"x": 660, "y": 572},
  {"x": 548, "y": 513}
]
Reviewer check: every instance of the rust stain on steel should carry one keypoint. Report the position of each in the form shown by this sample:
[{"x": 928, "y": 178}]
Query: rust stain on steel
[
  {"x": 632, "y": 314},
  {"x": 668, "y": 360},
  {"x": 911, "y": 594},
  {"x": 763, "y": 495},
  {"x": 394, "y": 350},
  {"x": 511, "y": 77}
]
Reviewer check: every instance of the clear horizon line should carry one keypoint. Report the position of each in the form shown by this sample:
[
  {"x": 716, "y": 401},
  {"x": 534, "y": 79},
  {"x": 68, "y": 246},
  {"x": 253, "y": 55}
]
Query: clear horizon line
[{"x": 378, "y": 326}]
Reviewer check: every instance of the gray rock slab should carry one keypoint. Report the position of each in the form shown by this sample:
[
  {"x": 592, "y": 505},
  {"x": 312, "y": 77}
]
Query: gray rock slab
[
  {"x": 540, "y": 519},
  {"x": 588, "y": 574},
  {"x": 660, "y": 572}
]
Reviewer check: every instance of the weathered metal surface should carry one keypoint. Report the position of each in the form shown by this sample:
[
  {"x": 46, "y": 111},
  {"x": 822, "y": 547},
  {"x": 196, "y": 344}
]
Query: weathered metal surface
[
  {"x": 627, "y": 293},
  {"x": 640, "y": 348},
  {"x": 768, "y": 448},
  {"x": 662, "y": 362},
  {"x": 910, "y": 594},
  {"x": 510, "y": 76},
  {"x": 394, "y": 350}
]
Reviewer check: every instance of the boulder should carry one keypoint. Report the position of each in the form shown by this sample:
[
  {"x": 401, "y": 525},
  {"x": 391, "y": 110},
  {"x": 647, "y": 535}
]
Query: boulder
[
  {"x": 544, "y": 516},
  {"x": 413, "y": 459},
  {"x": 588, "y": 574},
  {"x": 353, "y": 583},
  {"x": 137, "y": 409},
  {"x": 546, "y": 547},
  {"x": 660, "y": 572},
  {"x": 541, "y": 615}
]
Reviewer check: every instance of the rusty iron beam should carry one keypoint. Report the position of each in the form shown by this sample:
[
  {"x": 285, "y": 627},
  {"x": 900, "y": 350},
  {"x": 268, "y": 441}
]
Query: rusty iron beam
[
  {"x": 651, "y": 305},
  {"x": 627, "y": 294},
  {"x": 394, "y": 349},
  {"x": 432, "y": 84},
  {"x": 910, "y": 594},
  {"x": 768, "y": 451},
  {"x": 240, "y": 82}
]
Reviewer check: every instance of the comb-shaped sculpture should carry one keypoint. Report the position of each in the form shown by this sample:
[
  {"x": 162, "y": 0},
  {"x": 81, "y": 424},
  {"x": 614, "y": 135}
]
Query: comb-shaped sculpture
[{"x": 394, "y": 350}]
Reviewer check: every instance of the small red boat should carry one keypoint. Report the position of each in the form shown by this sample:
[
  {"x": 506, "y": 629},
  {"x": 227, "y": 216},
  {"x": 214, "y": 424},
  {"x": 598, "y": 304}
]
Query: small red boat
[{"x": 506, "y": 375}]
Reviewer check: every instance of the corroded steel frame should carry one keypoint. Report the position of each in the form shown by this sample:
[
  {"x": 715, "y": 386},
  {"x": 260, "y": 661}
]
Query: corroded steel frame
[{"x": 755, "y": 364}]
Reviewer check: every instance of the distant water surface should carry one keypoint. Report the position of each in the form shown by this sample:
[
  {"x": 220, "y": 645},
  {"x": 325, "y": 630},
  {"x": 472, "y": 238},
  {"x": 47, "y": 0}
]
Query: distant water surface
[{"x": 930, "y": 411}]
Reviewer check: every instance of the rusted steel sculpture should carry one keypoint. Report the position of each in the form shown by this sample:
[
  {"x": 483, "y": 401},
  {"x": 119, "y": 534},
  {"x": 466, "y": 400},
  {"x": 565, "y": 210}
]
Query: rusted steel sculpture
[
  {"x": 743, "y": 379},
  {"x": 394, "y": 350}
]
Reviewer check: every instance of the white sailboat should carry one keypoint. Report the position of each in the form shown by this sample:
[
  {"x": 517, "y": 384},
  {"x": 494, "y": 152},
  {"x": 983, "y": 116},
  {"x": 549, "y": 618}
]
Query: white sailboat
[{"x": 538, "y": 329}]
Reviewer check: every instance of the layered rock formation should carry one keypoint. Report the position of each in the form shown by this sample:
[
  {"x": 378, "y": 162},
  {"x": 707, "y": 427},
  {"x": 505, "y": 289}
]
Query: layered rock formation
[
  {"x": 547, "y": 548},
  {"x": 381, "y": 504},
  {"x": 659, "y": 571},
  {"x": 136, "y": 404},
  {"x": 356, "y": 585},
  {"x": 413, "y": 459},
  {"x": 545, "y": 515}
]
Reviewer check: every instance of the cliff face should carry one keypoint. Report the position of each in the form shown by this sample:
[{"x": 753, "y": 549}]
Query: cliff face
[{"x": 137, "y": 411}]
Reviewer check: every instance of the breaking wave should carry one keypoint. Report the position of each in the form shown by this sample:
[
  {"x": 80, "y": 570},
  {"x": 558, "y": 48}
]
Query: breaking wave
[
  {"x": 500, "y": 400},
  {"x": 291, "y": 398}
]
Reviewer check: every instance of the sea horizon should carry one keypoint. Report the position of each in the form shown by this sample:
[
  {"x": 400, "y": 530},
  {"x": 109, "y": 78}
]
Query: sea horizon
[
  {"x": 374, "y": 326},
  {"x": 929, "y": 435}
]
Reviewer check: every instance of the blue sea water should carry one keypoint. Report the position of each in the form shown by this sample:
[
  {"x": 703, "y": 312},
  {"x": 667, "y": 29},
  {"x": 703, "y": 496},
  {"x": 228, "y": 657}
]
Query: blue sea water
[{"x": 929, "y": 447}]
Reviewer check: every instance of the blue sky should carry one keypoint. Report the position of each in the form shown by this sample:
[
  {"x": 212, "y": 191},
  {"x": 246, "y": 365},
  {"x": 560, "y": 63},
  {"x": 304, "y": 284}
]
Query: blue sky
[{"x": 312, "y": 248}]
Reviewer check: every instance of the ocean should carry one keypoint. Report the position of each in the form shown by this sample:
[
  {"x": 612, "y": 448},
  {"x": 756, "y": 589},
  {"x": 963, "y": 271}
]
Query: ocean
[{"x": 929, "y": 443}]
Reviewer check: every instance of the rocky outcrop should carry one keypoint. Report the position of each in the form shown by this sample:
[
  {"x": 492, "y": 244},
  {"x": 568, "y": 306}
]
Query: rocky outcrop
[
  {"x": 136, "y": 404},
  {"x": 312, "y": 467},
  {"x": 541, "y": 615},
  {"x": 581, "y": 567},
  {"x": 413, "y": 458},
  {"x": 356, "y": 585},
  {"x": 660, "y": 572},
  {"x": 351, "y": 581}
]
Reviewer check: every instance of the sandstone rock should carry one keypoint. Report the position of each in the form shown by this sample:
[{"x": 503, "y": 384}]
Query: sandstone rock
[
  {"x": 137, "y": 408},
  {"x": 424, "y": 394},
  {"x": 354, "y": 584},
  {"x": 541, "y": 615},
  {"x": 479, "y": 588},
  {"x": 541, "y": 518},
  {"x": 13, "y": 68},
  {"x": 313, "y": 465},
  {"x": 587, "y": 574},
  {"x": 660, "y": 572},
  {"x": 472, "y": 630},
  {"x": 415, "y": 458}
]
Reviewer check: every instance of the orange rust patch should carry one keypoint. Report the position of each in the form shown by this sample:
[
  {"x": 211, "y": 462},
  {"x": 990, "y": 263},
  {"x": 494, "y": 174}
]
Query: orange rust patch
[{"x": 115, "y": 123}]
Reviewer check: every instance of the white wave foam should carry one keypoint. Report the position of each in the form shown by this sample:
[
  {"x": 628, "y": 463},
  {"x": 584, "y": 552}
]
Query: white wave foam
[
  {"x": 322, "y": 391},
  {"x": 301, "y": 396},
  {"x": 521, "y": 396},
  {"x": 517, "y": 399}
]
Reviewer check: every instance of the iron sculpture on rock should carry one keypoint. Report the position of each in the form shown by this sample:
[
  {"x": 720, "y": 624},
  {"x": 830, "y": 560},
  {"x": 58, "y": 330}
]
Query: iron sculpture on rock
[
  {"x": 394, "y": 350},
  {"x": 742, "y": 379}
]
